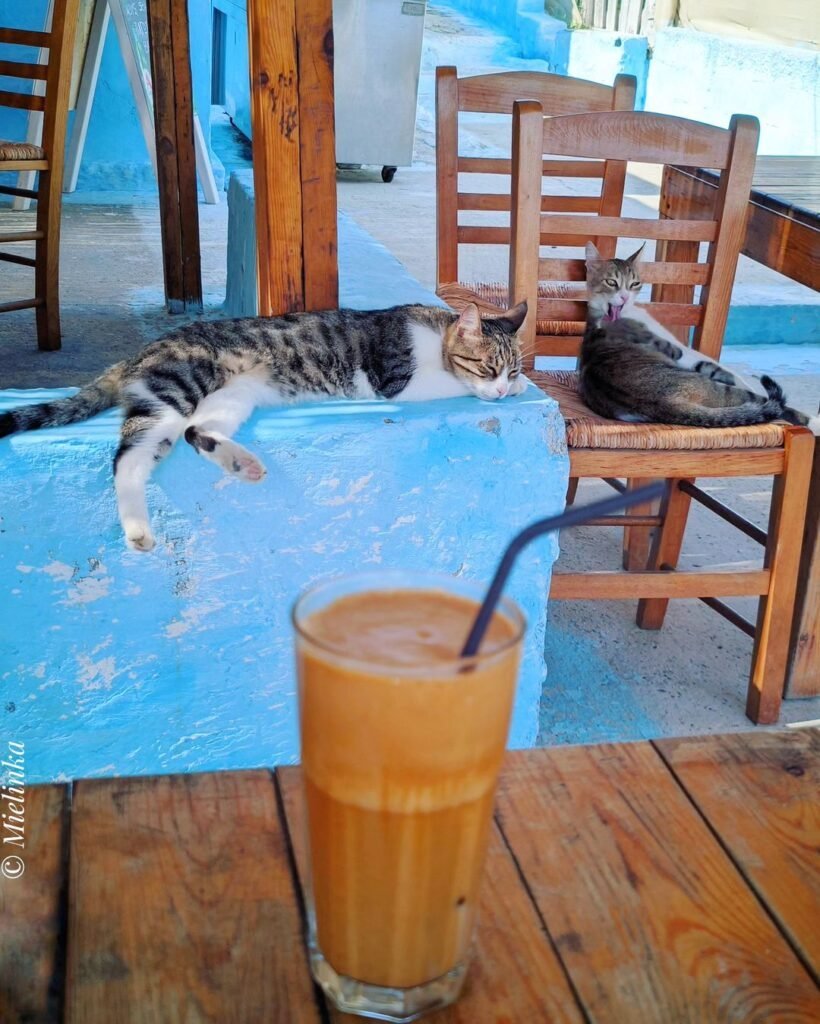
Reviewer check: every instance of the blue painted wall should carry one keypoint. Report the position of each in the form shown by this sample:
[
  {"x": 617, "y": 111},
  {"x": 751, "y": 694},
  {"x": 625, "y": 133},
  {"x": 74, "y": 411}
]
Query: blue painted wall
[
  {"x": 600, "y": 56},
  {"x": 525, "y": 21},
  {"x": 116, "y": 663},
  {"x": 115, "y": 156},
  {"x": 237, "y": 86},
  {"x": 709, "y": 78},
  {"x": 690, "y": 73}
]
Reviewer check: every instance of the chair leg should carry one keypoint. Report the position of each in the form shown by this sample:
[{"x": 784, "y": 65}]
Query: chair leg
[
  {"x": 572, "y": 490},
  {"x": 665, "y": 553},
  {"x": 47, "y": 266},
  {"x": 776, "y": 609},
  {"x": 638, "y": 539}
]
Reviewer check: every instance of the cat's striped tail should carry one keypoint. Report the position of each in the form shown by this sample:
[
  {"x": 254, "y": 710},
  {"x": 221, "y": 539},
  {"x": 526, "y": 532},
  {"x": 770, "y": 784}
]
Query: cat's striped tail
[
  {"x": 96, "y": 397},
  {"x": 756, "y": 410}
]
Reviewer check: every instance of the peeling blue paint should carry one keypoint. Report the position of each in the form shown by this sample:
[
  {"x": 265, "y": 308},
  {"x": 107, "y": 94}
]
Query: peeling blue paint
[{"x": 113, "y": 662}]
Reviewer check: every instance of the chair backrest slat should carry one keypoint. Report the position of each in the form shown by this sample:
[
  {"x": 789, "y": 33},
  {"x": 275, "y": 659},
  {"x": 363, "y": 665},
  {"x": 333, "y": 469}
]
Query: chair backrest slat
[
  {"x": 556, "y": 168},
  {"x": 575, "y": 311},
  {"x": 22, "y": 100},
  {"x": 676, "y": 271},
  {"x": 549, "y": 204},
  {"x": 660, "y": 138},
  {"x": 17, "y": 69},
  {"x": 553, "y": 269},
  {"x": 495, "y": 94},
  {"x": 24, "y": 37},
  {"x": 630, "y": 227}
]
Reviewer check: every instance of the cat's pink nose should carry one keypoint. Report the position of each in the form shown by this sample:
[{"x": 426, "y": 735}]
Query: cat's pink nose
[{"x": 501, "y": 389}]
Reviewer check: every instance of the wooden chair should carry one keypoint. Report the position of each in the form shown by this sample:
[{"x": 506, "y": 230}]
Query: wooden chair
[
  {"x": 495, "y": 94},
  {"x": 612, "y": 449},
  {"x": 46, "y": 159}
]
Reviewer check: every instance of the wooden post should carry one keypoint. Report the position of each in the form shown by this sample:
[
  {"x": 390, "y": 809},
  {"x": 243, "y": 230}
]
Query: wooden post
[
  {"x": 176, "y": 163},
  {"x": 317, "y": 150},
  {"x": 291, "y": 76}
]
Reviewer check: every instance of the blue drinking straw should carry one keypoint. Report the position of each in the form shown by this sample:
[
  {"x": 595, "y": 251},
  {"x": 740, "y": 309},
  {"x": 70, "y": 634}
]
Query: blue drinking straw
[{"x": 569, "y": 517}]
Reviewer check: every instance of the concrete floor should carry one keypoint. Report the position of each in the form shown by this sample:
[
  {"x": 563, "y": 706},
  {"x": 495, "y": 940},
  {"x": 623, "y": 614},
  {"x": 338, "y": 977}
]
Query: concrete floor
[{"x": 608, "y": 679}]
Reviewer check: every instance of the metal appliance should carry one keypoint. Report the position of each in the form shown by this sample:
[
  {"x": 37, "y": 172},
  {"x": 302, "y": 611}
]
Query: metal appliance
[{"x": 377, "y": 58}]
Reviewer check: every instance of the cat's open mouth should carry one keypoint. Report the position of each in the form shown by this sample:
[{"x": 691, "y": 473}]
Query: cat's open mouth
[{"x": 614, "y": 312}]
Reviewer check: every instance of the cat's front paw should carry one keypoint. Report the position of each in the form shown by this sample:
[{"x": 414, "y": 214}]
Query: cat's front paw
[
  {"x": 518, "y": 385},
  {"x": 138, "y": 536}
]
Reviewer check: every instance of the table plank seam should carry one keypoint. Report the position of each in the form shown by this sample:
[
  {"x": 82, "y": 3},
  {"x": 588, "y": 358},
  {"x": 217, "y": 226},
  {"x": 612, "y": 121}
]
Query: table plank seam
[
  {"x": 318, "y": 995},
  {"x": 58, "y": 981},
  {"x": 531, "y": 897},
  {"x": 750, "y": 883}
]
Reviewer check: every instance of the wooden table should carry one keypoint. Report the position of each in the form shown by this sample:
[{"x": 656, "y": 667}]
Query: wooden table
[
  {"x": 783, "y": 232},
  {"x": 661, "y": 882}
]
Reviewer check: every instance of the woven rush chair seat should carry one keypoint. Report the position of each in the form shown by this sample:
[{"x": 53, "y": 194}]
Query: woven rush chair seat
[
  {"x": 586, "y": 429},
  {"x": 20, "y": 151},
  {"x": 490, "y": 298}
]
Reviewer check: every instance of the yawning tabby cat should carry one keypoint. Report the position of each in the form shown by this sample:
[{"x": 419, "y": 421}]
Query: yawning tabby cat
[
  {"x": 205, "y": 379},
  {"x": 632, "y": 368}
]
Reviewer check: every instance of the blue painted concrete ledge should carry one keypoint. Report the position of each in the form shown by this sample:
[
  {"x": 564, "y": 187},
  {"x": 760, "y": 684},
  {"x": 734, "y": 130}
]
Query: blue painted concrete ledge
[{"x": 112, "y": 662}]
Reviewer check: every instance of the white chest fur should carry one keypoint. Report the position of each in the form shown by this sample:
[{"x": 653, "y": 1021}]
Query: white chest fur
[{"x": 430, "y": 380}]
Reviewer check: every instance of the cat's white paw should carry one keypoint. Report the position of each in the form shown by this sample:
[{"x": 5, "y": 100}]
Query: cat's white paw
[
  {"x": 814, "y": 425},
  {"x": 138, "y": 536},
  {"x": 518, "y": 385}
]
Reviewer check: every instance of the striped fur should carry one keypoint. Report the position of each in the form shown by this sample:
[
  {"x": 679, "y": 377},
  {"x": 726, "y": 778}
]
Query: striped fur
[
  {"x": 203, "y": 380},
  {"x": 632, "y": 368}
]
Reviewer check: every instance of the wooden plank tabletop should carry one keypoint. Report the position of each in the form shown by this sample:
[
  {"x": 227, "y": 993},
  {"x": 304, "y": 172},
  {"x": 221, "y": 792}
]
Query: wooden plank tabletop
[
  {"x": 792, "y": 181},
  {"x": 783, "y": 230},
  {"x": 668, "y": 882}
]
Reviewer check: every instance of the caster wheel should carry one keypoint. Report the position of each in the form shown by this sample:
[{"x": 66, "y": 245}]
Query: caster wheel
[{"x": 388, "y": 173}]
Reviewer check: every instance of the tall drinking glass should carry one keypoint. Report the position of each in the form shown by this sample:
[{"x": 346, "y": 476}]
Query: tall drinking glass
[{"x": 402, "y": 741}]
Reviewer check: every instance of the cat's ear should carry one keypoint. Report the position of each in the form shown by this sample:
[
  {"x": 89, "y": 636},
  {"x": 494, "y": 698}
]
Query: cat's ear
[
  {"x": 592, "y": 254},
  {"x": 469, "y": 322},
  {"x": 516, "y": 316},
  {"x": 635, "y": 258}
]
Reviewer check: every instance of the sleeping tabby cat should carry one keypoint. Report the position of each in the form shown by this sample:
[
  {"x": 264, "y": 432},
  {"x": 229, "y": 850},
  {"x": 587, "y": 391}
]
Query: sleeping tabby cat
[
  {"x": 205, "y": 379},
  {"x": 632, "y": 368}
]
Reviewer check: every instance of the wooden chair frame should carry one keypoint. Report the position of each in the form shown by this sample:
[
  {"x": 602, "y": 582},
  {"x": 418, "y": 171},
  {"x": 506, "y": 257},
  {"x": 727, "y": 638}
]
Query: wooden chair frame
[
  {"x": 59, "y": 41},
  {"x": 651, "y": 138},
  {"x": 495, "y": 94}
]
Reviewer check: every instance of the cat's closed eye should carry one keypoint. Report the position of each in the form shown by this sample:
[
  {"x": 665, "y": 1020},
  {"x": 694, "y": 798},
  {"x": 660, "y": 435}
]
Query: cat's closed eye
[
  {"x": 635, "y": 285},
  {"x": 610, "y": 282}
]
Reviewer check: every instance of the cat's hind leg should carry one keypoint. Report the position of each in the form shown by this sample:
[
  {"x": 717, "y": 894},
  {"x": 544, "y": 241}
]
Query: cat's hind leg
[
  {"x": 717, "y": 373},
  {"x": 220, "y": 414},
  {"x": 148, "y": 434}
]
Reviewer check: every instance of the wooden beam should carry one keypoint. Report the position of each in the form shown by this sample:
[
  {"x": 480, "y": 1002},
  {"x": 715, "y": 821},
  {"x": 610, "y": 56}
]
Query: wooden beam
[
  {"x": 275, "y": 122},
  {"x": 176, "y": 165},
  {"x": 317, "y": 152}
]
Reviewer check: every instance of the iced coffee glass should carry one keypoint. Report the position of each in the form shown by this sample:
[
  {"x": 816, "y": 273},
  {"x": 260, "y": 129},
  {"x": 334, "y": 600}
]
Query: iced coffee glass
[{"x": 402, "y": 741}]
